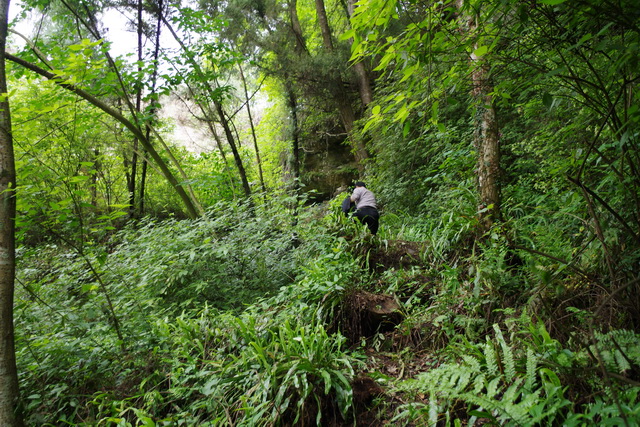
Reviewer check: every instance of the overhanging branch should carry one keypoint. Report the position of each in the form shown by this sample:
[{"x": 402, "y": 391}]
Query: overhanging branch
[{"x": 135, "y": 130}]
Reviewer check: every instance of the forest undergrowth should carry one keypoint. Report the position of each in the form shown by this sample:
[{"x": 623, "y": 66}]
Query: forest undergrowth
[{"x": 243, "y": 317}]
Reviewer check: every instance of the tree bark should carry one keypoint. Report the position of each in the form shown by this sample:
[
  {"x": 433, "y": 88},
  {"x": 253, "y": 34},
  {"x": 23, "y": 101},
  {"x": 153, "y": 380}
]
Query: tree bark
[
  {"x": 8, "y": 370},
  {"x": 364, "y": 81},
  {"x": 321, "y": 12},
  {"x": 486, "y": 134},
  {"x": 295, "y": 135},
  {"x": 292, "y": 102},
  {"x": 340, "y": 96},
  {"x": 301, "y": 44},
  {"x": 154, "y": 80},
  {"x": 134, "y": 157},
  {"x": 253, "y": 129},
  {"x": 234, "y": 148},
  {"x": 487, "y": 143}
]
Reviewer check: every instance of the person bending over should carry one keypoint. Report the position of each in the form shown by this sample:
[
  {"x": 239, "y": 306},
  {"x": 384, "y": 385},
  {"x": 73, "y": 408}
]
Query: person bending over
[{"x": 366, "y": 207}]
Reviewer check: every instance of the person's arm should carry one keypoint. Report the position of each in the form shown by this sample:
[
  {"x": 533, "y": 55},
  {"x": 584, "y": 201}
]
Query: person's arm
[{"x": 355, "y": 196}]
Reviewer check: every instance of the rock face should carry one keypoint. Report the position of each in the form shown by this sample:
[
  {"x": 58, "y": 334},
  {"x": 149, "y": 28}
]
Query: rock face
[{"x": 328, "y": 164}]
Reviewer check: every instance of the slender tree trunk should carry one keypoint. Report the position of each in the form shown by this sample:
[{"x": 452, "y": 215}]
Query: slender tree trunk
[
  {"x": 143, "y": 181},
  {"x": 295, "y": 149},
  {"x": 486, "y": 133},
  {"x": 207, "y": 115},
  {"x": 234, "y": 148},
  {"x": 253, "y": 129},
  {"x": 292, "y": 102},
  {"x": 295, "y": 135},
  {"x": 224, "y": 121},
  {"x": 227, "y": 168},
  {"x": 364, "y": 80},
  {"x": 154, "y": 80},
  {"x": 134, "y": 156},
  {"x": 94, "y": 179},
  {"x": 321, "y": 13},
  {"x": 8, "y": 371},
  {"x": 340, "y": 96}
]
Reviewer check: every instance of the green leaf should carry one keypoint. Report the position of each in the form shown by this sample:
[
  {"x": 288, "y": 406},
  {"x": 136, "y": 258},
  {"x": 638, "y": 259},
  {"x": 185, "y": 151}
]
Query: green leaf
[
  {"x": 552, "y": 2},
  {"x": 348, "y": 34},
  {"x": 481, "y": 51},
  {"x": 79, "y": 178}
]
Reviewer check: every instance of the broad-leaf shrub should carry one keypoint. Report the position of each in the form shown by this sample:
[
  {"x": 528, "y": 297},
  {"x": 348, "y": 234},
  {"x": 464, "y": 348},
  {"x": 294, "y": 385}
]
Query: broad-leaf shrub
[
  {"x": 171, "y": 369},
  {"x": 228, "y": 258},
  {"x": 291, "y": 372},
  {"x": 254, "y": 369}
]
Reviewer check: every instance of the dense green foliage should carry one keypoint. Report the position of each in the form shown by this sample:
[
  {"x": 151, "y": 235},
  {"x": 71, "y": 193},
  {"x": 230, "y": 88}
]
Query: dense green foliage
[
  {"x": 272, "y": 310},
  {"x": 230, "y": 319}
]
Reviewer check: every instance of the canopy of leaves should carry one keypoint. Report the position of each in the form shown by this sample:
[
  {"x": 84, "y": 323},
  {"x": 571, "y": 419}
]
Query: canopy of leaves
[{"x": 271, "y": 310}]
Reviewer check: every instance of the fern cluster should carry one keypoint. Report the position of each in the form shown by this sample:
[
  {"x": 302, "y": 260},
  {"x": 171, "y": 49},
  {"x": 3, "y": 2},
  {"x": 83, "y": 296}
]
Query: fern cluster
[
  {"x": 506, "y": 383},
  {"x": 619, "y": 350},
  {"x": 492, "y": 387}
]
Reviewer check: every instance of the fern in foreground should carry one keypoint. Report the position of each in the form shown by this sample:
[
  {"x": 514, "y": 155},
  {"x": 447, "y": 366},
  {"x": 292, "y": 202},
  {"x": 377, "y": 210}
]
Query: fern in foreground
[
  {"x": 497, "y": 382},
  {"x": 492, "y": 388}
]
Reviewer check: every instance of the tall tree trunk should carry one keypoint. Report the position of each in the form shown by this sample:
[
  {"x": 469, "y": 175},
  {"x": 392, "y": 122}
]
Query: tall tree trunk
[
  {"x": 134, "y": 156},
  {"x": 292, "y": 102},
  {"x": 340, "y": 96},
  {"x": 364, "y": 83},
  {"x": 321, "y": 13},
  {"x": 301, "y": 44},
  {"x": 486, "y": 133},
  {"x": 8, "y": 371},
  {"x": 487, "y": 142},
  {"x": 364, "y": 80},
  {"x": 253, "y": 129},
  {"x": 234, "y": 148},
  {"x": 295, "y": 135},
  {"x": 154, "y": 80},
  {"x": 227, "y": 169},
  {"x": 208, "y": 89},
  {"x": 94, "y": 178}
]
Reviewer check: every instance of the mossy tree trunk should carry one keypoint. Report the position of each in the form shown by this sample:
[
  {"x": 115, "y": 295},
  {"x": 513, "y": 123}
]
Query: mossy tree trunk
[{"x": 8, "y": 371}]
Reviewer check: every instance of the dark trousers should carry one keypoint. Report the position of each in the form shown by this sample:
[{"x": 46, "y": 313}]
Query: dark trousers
[{"x": 370, "y": 217}]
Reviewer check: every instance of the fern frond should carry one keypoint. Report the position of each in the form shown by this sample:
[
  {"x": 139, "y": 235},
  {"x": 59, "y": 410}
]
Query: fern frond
[
  {"x": 490, "y": 358},
  {"x": 488, "y": 380},
  {"x": 514, "y": 391},
  {"x": 479, "y": 383},
  {"x": 507, "y": 355},
  {"x": 532, "y": 365},
  {"x": 493, "y": 387},
  {"x": 472, "y": 362},
  {"x": 619, "y": 349}
]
